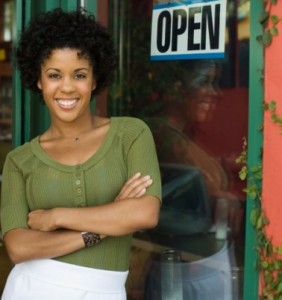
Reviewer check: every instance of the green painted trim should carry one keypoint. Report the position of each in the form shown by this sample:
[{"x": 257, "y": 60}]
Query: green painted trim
[
  {"x": 17, "y": 104},
  {"x": 119, "y": 10},
  {"x": 69, "y": 5},
  {"x": 91, "y": 6},
  {"x": 43, "y": 5},
  {"x": 254, "y": 144}
]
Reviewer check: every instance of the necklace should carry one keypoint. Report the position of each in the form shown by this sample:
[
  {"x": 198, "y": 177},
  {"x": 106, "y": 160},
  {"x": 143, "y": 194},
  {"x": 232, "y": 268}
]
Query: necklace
[{"x": 77, "y": 138}]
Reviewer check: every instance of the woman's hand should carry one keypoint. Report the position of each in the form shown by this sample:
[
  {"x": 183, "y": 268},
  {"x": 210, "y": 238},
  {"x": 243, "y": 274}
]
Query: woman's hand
[
  {"x": 134, "y": 187},
  {"x": 41, "y": 220}
]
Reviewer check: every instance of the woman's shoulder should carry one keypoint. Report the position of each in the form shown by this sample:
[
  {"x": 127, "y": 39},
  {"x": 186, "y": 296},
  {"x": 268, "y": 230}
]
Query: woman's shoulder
[
  {"x": 130, "y": 123},
  {"x": 22, "y": 152}
]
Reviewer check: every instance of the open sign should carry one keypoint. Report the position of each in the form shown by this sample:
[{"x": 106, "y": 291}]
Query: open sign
[{"x": 188, "y": 29}]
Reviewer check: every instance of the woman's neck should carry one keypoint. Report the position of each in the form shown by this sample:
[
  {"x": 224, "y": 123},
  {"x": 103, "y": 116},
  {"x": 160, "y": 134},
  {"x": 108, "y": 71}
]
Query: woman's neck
[{"x": 70, "y": 130}]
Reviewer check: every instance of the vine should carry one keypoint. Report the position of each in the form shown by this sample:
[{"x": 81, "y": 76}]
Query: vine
[
  {"x": 269, "y": 22},
  {"x": 269, "y": 261},
  {"x": 275, "y": 118}
]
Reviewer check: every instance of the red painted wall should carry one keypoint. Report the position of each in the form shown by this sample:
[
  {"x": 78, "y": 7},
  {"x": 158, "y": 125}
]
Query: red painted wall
[{"x": 272, "y": 150}]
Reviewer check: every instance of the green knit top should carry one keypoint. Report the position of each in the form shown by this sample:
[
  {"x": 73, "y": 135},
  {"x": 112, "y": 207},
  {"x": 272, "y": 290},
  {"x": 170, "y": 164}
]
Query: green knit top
[{"x": 33, "y": 180}]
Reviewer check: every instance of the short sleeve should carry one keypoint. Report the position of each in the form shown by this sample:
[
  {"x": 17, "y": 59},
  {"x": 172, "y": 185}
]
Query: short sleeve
[
  {"x": 14, "y": 207},
  {"x": 142, "y": 157}
]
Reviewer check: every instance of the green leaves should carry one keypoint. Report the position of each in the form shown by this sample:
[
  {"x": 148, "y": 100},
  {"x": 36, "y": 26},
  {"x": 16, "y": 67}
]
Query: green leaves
[
  {"x": 255, "y": 214},
  {"x": 252, "y": 191},
  {"x": 269, "y": 22},
  {"x": 267, "y": 37},
  {"x": 274, "y": 19},
  {"x": 242, "y": 159},
  {"x": 243, "y": 173},
  {"x": 277, "y": 249},
  {"x": 271, "y": 106},
  {"x": 275, "y": 118}
]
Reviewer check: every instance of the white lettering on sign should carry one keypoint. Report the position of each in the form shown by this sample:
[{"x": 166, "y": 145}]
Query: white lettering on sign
[{"x": 188, "y": 29}]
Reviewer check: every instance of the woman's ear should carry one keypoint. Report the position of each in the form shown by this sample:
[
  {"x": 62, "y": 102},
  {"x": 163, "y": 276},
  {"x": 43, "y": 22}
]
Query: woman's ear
[
  {"x": 39, "y": 84},
  {"x": 94, "y": 84}
]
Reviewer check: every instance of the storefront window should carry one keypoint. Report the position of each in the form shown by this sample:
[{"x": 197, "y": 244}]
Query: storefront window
[
  {"x": 197, "y": 111},
  {"x": 6, "y": 10},
  {"x": 5, "y": 79}
]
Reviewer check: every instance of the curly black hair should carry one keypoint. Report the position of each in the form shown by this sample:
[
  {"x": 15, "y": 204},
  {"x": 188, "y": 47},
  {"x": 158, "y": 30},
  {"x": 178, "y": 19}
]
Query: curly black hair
[{"x": 57, "y": 29}]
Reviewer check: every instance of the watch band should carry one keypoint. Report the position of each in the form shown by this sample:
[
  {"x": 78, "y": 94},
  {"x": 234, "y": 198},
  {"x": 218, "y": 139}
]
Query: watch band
[{"x": 90, "y": 239}]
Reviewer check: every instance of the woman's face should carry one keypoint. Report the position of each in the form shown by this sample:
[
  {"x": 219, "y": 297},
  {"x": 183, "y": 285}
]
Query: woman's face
[
  {"x": 200, "y": 97},
  {"x": 66, "y": 82}
]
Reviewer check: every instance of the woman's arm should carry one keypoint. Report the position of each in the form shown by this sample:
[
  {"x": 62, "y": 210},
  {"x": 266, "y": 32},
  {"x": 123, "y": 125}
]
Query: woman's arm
[
  {"x": 117, "y": 218},
  {"x": 25, "y": 244},
  {"x": 129, "y": 212}
]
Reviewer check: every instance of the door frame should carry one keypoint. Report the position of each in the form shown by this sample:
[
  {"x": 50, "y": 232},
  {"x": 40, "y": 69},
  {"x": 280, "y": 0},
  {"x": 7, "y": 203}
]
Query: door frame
[{"x": 30, "y": 117}]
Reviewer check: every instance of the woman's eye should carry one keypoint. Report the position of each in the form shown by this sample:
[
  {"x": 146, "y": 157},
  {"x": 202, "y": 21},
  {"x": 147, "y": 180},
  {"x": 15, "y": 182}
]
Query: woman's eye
[
  {"x": 54, "y": 76},
  {"x": 80, "y": 76}
]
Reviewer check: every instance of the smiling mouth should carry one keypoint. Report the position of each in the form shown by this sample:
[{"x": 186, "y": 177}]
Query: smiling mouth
[{"x": 67, "y": 103}]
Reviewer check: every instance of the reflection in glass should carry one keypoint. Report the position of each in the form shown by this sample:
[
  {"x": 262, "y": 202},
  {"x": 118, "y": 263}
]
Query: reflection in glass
[
  {"x": 171, "y": 275},
  {"x": 197, "y": 111},
  {"x": 188, "y": 101},
  {"x": 8, "y": 20},
  {"x": 5, "y": 109}
]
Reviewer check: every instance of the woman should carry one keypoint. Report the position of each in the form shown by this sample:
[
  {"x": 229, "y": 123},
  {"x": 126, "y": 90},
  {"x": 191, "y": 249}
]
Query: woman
[{"x": 72, "y": 196}]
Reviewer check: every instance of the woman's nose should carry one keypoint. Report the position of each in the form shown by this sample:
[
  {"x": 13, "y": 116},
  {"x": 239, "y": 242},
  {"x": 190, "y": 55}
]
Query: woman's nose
[{"x": 67, "y": 85}]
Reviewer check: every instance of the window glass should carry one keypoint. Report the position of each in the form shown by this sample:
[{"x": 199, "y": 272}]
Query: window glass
[
  {"x": 5, "y": 80},
  {"x": 6, "y": 11},
  {"x": 197, "y": 111}
]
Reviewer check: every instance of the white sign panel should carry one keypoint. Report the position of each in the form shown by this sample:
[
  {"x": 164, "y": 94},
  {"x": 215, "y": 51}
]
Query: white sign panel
[{"x": 188, "y": 29}]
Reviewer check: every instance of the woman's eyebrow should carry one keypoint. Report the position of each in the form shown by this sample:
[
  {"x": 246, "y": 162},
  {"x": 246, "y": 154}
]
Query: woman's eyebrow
[{"x": 58, "y": 70}]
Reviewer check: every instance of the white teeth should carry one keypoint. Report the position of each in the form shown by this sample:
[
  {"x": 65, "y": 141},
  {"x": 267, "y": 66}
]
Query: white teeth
[{"x": 68, "y": 102}]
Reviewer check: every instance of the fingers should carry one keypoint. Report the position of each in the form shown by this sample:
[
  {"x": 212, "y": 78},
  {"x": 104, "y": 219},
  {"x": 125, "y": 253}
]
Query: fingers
[
  {"x": 135, "y": 186},
  {"x": 40, "y": 220},
  {"x": 130, "y": 183}
]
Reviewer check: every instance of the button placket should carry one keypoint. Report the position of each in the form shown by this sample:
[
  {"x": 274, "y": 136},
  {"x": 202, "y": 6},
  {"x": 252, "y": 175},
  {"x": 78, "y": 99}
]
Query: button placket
[{"x": 79, "y": 190}]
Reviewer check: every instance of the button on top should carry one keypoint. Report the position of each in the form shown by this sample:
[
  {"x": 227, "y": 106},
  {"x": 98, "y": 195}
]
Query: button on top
[{"x": 78, "y": 183}]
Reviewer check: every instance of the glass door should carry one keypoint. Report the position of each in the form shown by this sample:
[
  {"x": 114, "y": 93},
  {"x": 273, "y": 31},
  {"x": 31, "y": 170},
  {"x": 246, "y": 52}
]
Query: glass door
[{"x": 197, "y": 110}]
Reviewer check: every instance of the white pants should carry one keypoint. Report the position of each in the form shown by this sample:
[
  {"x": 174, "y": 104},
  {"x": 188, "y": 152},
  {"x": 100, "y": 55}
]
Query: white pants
[{"x": 47, "y": 279}]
